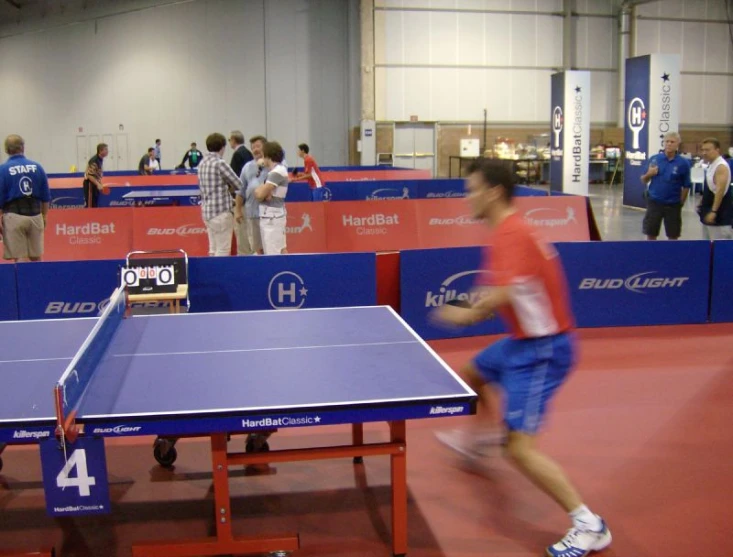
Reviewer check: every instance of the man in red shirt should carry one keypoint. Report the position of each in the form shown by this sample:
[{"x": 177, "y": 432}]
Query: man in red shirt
[
  {"x": 525, "y": 284},
  {"x": 311, "y": 172}
]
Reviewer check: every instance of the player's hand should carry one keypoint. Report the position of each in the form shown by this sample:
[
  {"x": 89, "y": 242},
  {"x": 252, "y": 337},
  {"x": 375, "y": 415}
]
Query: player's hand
[
  {"x": 710, "y": 218},
  {"x": 452, "y": 316},
  {"x": 239, "y": 217},
  {"x": 653, "y": 170}
]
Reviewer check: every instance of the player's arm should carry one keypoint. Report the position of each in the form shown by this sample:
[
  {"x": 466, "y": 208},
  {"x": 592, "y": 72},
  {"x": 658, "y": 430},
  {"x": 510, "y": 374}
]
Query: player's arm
[
  {"x": 265, "y": 191},
  {"x": 45, "y": 195},
  {"x": 92, "y": 170},
  {"x": 651, "y": 171},
  {"x": 464, "y": 315},
  {"x": 686, "y": 185},
  {"x": 721, "y": 186},
  {"x": 230, "y": 178}
]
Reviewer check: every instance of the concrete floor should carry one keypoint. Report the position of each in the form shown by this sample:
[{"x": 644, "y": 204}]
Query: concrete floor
[{"x": 617, "y": 222}]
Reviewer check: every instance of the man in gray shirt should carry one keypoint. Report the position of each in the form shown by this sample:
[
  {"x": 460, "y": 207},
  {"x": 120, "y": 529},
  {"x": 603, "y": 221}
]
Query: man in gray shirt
[{"x": 247, "y": 208}]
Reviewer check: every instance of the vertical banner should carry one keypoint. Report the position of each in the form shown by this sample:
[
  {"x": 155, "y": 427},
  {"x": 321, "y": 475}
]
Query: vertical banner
[
  {"x": 570, "y": 132},
  {"x": 652, "y": 109}
]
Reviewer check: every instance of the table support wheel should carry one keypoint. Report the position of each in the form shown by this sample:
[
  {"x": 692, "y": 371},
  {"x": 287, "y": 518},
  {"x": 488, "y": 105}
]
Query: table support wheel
[
  {"x": 164, "y": 451},
  {"x": 358, "y": 460}
]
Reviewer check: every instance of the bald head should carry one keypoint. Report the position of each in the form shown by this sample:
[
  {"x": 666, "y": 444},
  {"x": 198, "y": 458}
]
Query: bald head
[{"x": 14, "y": 145}]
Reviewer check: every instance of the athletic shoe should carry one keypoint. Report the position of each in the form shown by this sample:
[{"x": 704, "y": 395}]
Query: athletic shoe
[
  {"x": 470, "y": 444},
  {"x": 579, "y": 543}
]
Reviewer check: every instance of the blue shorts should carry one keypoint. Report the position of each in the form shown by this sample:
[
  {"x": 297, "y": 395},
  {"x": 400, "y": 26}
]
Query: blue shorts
[
  {"x": 317, "y": 194},
  {"x": 529, "y": 371}
]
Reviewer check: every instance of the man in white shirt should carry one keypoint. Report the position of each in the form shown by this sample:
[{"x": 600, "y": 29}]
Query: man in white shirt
[
  {"x": 271, "y": 196},
  {"x": 716, "y": 207}
]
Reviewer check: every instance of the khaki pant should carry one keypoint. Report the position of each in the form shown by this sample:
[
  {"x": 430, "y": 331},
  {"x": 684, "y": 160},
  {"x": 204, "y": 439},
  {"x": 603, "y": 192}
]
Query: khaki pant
[
  {"x": 253, "y": 233},
  {"x": 240, "y": 233},
  {"x": 219, "y": 229},
  {"x": 22, "y": 236},
  {"x": 717, "y": 232}
]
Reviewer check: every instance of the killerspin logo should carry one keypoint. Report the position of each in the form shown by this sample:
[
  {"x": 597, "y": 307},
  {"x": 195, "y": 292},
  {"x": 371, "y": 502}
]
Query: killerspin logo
[{"x": 458, "y": 286}]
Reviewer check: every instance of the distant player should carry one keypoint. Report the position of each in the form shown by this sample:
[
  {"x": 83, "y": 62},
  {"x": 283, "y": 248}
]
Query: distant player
[
  {"x": 526, "y": 285},
  {"x": 311, "y": 172}
]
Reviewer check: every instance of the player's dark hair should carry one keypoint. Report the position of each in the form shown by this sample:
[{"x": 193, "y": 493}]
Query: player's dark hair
[
  {"x": 150, "y": 149},
  {"x": 713, "y": 141},
  {"x": 304, "y": 147},
  {"x": 101, "y": 147},
  {"x": 273, "y": 151},
  {"x": 255, "y": 138},
  {"x": 495, "y": 173},
  {"x": 215, "y": 142}
]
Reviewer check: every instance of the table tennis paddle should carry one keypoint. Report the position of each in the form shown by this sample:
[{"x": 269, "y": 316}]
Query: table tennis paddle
[{"x": 105, "y": 190}]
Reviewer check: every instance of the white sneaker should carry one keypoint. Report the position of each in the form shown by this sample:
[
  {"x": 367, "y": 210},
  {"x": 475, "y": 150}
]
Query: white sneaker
[
  {"x": 471, "y": 444},
  {"x": 579, "y": 543}
]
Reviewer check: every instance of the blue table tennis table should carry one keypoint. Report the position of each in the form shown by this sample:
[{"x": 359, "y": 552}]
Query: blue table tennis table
[
  {"x": 214, "y": 374},
  {"x": 165, "y": 196}
]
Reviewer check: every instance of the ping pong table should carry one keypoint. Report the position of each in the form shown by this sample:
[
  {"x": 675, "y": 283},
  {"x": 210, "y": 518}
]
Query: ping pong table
[
  {"x": 165, "y": 196},
  {"x": 214, "y": 374}
]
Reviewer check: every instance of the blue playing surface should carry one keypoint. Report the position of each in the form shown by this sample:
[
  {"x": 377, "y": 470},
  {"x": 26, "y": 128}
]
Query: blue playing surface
[
  {"x": 223, "y": 362},
  {"x": 34, "y": 355}
]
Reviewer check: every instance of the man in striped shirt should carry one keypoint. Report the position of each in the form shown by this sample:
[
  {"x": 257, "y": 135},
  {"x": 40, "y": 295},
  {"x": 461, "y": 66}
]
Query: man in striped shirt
[{"x": 217, "y": 182}]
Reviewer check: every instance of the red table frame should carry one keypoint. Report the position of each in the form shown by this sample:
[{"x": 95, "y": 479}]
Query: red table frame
[{"x": 225, "y": 543}]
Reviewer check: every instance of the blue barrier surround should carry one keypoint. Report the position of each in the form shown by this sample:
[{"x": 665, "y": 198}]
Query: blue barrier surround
[
  {"x": 9, "y": 292},
  {"x": 721, "y": 287},
  {"x": 612, "y": 284}
]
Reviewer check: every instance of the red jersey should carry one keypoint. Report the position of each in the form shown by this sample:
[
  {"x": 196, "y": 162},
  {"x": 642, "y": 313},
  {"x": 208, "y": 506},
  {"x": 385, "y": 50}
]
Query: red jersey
[
  {"x": 315, "y": 180},
  {"x": 517, "y": 257}
]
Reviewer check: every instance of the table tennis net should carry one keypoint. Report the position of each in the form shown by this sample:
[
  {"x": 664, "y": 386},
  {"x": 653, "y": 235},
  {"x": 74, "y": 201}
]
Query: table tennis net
[{"x": 81, "y": 369}]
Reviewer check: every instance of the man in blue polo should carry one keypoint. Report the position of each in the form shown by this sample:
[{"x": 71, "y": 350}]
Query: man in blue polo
[
  {"x": 24, "y": 200},
  {"x": 668, "y": 181}
]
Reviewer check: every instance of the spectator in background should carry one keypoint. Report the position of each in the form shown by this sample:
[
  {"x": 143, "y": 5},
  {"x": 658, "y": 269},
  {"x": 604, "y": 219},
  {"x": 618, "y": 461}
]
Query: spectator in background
[
  {"x": 271, "y": 196},
  {"x": 311, "y": 172},
  {"x": 217, "y": 182},
  {"x": 193, "y": 156},
  {"x": 157, "y": 152},
  {"x": 247, "y": 211},
  {"x": 241, "y": 155},
  {"x": 24, "y": 200},
  {"x": 148, "y": 163},
  {"x": 93, "y": 177},
  {"x": 716, "y": 207},
  {"x": 668, "y": 180}
]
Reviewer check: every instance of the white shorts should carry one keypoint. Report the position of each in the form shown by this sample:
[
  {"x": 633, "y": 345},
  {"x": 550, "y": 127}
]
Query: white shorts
[
  {"x": 272, "y": 230},
  {"x": 724, "y": 232}
]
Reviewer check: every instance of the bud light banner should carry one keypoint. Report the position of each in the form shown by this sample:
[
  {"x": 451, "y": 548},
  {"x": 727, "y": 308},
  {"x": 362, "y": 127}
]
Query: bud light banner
[
  {"x": 282, "y": 282},
  {"x": 721, "y": 308},
  {"x": 570, "y": 132},
  {"x": 652, "y": 105},
  {"x": 432, "y": 277},
  {"x": 616, "y": 284},
  {"x": 9, "y": 299},
  {"x": 65, "y": 289}
]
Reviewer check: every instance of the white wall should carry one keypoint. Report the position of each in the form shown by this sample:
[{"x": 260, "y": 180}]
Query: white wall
[
  {"x": 705, "y": 51},
  {"x": 448, "y": 60},
  {"x": 181, "y": 71}
]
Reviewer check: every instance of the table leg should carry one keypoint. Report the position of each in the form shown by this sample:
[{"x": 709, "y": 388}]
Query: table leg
[
  {"x": 398, "y": 462},
  {"x": 357, "y": 439}
]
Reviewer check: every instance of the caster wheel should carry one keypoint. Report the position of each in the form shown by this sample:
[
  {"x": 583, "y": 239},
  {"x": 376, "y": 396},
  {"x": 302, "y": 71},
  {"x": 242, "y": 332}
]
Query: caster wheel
[
  {"x": 166, "y": 459},
  {"x": 358, "y": 460},
  {"x": 250, "y": 447}
]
